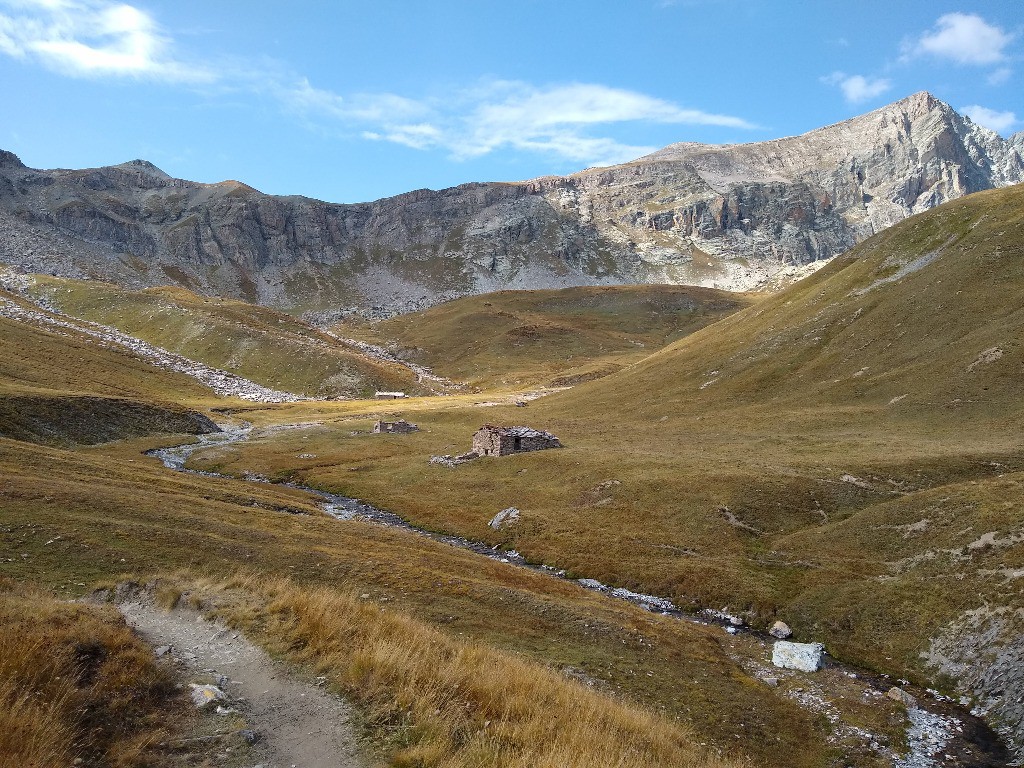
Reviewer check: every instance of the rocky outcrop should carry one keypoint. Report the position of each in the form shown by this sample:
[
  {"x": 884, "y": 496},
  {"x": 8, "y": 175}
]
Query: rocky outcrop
[
  {"x": 729, "y": 216},
  {"x": 806, "y": 657}
]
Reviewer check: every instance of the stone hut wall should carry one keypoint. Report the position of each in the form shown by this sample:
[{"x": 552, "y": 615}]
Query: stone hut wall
[
  {"x": 531, "y": 443},
  {"x": 487, "y": 442},
  {"x": 504, "y": 441}
]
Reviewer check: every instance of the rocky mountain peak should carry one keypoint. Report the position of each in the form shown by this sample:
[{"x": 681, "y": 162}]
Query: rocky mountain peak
[
  {"x": 143, "y": 166},
  {"x": 736, "y": 216},
  {"x": 10, "y": 160}
]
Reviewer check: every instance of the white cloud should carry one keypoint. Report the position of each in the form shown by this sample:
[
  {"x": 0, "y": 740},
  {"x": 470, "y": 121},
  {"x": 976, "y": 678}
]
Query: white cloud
[
  {"x": 110, "y": 38},
  {"x": 999, "y": 76},
  {"x": 1000, "y": 122},
  {"x": 965, "y": 38},
  {"x": 372, "y": 107},
  {"x": 92, "y": 38},
  {"x": 857, "y": 88},
  {"x": 498, "y": 114}
]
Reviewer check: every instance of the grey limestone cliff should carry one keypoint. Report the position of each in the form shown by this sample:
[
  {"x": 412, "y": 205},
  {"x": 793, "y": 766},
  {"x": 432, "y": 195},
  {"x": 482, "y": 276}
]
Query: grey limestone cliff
[{"x": 729, "y": 216}]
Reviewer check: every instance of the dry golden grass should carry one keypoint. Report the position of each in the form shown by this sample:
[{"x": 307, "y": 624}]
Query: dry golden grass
[
  {"x": 457, "y": 703},
  {"x": 103, "y": 513},
  {"x": 74, "y": 683}
]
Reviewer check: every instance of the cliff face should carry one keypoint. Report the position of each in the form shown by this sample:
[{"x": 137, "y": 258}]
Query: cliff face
[{"x": 728, "y": 216}]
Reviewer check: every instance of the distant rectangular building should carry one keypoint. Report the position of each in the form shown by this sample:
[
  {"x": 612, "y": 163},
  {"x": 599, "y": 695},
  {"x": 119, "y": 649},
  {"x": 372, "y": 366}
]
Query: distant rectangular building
[{"x": 390, "y": 395}]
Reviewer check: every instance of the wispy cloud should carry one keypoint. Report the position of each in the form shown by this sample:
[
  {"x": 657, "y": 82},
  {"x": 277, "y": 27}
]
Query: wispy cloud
[
  {"x": 500, "y": 114},
  {"x": 92, "y": 38},
  {"x": 1000, "y": 122},
  {"x": 964, "y": 38},
  {"x": 857, "y": 88},
  {"x": 999, "y": 76},
  {"x": 572, "y": 121}
]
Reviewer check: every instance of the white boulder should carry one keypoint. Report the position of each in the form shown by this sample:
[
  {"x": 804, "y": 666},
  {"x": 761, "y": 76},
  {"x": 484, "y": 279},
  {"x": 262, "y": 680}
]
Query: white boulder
[
  {"x": 780, "y": 630},
  {"x": 504, "y": 518},
  {"x": 805, "y": 657},
  {"x": 206, "y": 695}
]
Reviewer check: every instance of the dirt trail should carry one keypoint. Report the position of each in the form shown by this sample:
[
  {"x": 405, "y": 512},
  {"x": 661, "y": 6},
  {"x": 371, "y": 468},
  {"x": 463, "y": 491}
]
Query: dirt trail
[{"x": 299, "y": 725}]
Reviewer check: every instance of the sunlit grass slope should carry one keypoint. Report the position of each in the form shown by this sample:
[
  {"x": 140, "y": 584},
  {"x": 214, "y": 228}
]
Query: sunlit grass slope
[
  {"x": 551, "y": 337},
  {"x": 844, "y": 454},
  {"x": 261, "y": 344},
  {"x": 58, "y": 386}
]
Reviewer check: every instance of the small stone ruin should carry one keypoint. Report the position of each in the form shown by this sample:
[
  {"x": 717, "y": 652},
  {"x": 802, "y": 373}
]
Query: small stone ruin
[
  {"x": 490, "y": 440},
  {"x": 400, "y": 427}
]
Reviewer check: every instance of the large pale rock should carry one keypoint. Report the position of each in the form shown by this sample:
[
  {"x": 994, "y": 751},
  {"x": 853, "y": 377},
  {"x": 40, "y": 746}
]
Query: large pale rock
[
  {"x": 780, "y": 630},
  {"x": 806, "y": 657},
  {"x": 904, "y": 698},
  {"x": 505, "y": 518},
  {"x": 204, "y": 696}
]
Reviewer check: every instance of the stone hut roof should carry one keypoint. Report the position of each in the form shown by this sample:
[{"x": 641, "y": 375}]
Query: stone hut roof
[{"x": 518, "y": 431}]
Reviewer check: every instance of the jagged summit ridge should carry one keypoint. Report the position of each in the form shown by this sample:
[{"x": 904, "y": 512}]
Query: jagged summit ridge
[{"x": 731, "y": 216}]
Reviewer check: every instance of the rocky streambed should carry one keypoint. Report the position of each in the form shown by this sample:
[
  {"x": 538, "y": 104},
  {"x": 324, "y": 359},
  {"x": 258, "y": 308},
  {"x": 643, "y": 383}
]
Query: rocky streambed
[{"x": 942, "y": 732}]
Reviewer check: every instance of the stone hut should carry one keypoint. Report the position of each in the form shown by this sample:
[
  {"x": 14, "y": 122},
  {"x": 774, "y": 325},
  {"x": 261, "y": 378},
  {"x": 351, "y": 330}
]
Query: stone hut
[
  {"x": 390, "y": 395},
  {"x": 400, "y": 427},
  {"x": 490, "y": 440}
]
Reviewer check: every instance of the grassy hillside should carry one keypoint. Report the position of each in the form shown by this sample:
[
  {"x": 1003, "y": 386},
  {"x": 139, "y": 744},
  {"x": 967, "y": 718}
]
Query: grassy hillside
[
  {"x": 37, "y": 360},
  {"x": 268, "y": 347},
  {"x": 846, "y": 454},
  {"x": 495, "y": 633},
  {"x": 550, "y": 337},
  {"x": 57, "y": 386}
]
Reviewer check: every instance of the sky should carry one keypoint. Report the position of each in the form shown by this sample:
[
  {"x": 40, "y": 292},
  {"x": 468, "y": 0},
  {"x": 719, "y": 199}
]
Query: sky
[{"x": 352, "y": 101}]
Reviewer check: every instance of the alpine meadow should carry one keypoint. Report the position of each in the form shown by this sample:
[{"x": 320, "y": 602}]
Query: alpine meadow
[{"x": 709, "y": 455}]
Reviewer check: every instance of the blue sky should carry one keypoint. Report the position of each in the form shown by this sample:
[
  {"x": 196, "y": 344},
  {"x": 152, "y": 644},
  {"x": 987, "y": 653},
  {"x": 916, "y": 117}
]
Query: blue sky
[{"x": 350, "y": 101}]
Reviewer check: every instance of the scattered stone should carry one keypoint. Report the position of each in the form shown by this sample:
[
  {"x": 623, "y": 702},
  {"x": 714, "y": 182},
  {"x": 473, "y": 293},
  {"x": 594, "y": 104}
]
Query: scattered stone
[
  {"x": 854, "y": 480},
  {"x": 307, "y": 456},
  {"x": 986, "y": 357},
  {"x": 591, "y": 584},
  {"x": 806, "y": 657},
  {"x": 400, "y": 427},
  {"x": 506, "y": 517},
  {"x": 204, "y": 696},
  {"x": 453, "y": 461},
  {"x": 162, "y": 650},
  {"x": 771, "y": 682},
  {"x": 904, "y": 698},
  {"x": 780, "y": 630},
  {"x": 250, "y": 737}
]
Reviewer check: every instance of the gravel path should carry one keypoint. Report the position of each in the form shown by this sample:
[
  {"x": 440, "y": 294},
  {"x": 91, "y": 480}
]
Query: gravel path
[{"x": 299, "y": 725}]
